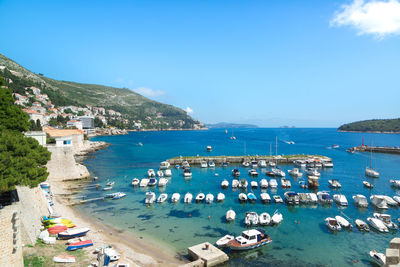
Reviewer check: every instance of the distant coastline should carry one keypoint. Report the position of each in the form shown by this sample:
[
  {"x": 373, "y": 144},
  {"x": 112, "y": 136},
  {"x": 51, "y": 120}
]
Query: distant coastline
[{"x": 377, "y": 132}]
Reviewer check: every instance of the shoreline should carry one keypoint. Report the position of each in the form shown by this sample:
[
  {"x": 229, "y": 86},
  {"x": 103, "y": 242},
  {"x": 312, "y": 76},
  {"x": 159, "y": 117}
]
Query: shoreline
[
  {"x": 376, "y": 132},
  {"x": 134, "y": 248}
]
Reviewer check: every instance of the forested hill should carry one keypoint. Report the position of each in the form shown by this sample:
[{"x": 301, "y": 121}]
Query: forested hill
[
  {"x": 382, "y": 126},
  {"x": 133, "y": 107}
]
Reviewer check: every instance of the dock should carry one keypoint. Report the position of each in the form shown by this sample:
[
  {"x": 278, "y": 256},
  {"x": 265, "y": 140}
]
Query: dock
[
  {"x": 206, "y": 254},
  {"x": 375, "y": 149},
  {"x": 280, "y": 159}
]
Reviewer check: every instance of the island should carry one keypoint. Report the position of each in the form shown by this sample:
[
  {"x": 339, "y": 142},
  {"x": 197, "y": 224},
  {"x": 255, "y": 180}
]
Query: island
[{"x": 373, "y": 126}]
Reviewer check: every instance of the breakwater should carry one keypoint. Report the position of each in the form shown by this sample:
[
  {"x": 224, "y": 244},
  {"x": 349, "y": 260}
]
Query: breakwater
[{"x": 377, "y": 149}]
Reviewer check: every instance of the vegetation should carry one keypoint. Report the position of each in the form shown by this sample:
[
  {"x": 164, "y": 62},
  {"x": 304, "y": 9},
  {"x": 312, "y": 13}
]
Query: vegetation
[
  {"x": 35, "y": 126},
  {"x": 388, "y": 125}
]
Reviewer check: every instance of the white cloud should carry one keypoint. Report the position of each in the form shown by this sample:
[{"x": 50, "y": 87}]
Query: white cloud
[
  {"x": 378, "y": 18},
  {"x": 189, "y": 110},
  {"x": 149, "y": 92}
]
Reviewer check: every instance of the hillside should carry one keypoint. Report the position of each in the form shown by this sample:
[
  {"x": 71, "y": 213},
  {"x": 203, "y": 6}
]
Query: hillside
[
  {"x": 382, "y": 126},
  {"x": 132, "y": 106}
]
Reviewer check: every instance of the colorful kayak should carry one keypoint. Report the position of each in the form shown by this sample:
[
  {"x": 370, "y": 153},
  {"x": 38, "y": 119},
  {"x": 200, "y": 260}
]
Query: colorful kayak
[
  {"x": 79, "y": 245},
  {"x": 57, "y": 229},
  {"x": 71, "y": 233},
  {"x": 69, "y": 225}
]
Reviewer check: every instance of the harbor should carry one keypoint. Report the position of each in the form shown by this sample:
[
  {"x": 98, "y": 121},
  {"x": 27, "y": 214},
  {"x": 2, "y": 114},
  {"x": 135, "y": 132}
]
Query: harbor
[{"x": 375, "y": 149}]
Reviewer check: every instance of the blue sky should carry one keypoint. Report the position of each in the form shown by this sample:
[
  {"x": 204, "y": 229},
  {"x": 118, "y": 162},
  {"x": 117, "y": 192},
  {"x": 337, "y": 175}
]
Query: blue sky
[{"x": 272, "y": 63}]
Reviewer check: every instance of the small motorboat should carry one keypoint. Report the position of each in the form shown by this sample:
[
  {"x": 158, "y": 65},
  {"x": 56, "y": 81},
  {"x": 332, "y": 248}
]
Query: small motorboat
[
  {"x": 262, "y": 164},
  {"x": 264, "y": 183},
  {"x": 230, "y": 215},
  {"x": 251, "y": 197},
  {"x": 278, "y": 172},
  {"x": 135, "y": 182},
  {"x": 378, "y": 258},
  {"x": 243, "y": 183},
  {"x": 175, "y": 197},
  {"x": 265, "y": 198},
  {"x": 397, "y": 199},
  {"x": 150, "y": 198},
  {"x": 144, "y": 182},
  {"x": 334, "y": 183},
  {"x": 177, "y": 166},
  {"x": 164, "y": 165},
  {"x": 249, "y": 239},
  {"x": 236, "y": 172},
  {"x": 246, "y": 164},
  {"x": 312, "y": 198},
  {"x": 269, "y": 173},
  {"x": 220, "y": 197},
  {"x": 119, "y": 195},
  {"x": 242, "y": 197},
  {"x": 254, "y": 184},
  {"x": 79, "y": 245},
  {"x": 292, "y": 198},
  {"x": 162, "y": 182},
  {"x": 251, "y": 218},
  {"x": 371, "y": 173},
  {"x": 64, "y": 258},
  {"x": 72, "y": 233},
  {"x": 276, "y": 218},
  {"x": 332, "y": 224},
  {"x": 295, "y": 173},
  {"x": 343, "y": 222},
  {"x": 110, "y": 183},
  {"x": 303, "y": 184},
  {"x": 324, "y": 197},
  {"x": 277, "y": 199},
  {"x": 224, "y": 240},
  {"x": 253, "y": 172},
  {"x": 273, "y": 184},
  {"x": 313, "y": 182},
  {"x": 224, "y": 184},
  {"x": 377, "y": 225},
  {"x": 361, "y": 225},
  {"x": 167, "y": 173},
  {"x": 340, "y": 199},
  {"x": 111, "y": 195},
  {"x": 160, "y": 173},
  {"x": 224, "y": 164},
  {"x": 185, "y": 164},
  {"x": 235, "y": 183},
  {"x": 203, "y": 164},
  {"x": 387, "y": 220},
  {"x": 390, "y": 201},
  {"x": 395, "y": 183},
  {"x": 367, "y": 184},
  {"x": 188, "y": 198},
  {"x": 271, "y": 164},
  {"x": 187, "y": 173},
  {"x": 209, "y": 198},
  {"x": 379, "y": 201},
  {"x": 360, "y": 201},
  {"x": 200, "y": 197},
  {"x": 107, "y": 188},
  {"x": 313, "y": 172},
  {"x": 152, "y": 182},
  {"x": 162, "y": 198},
  {"x": 209, "y": 148},
  {"x": 151, "y": 173},
  {"x": 285, "y": 183},
  {"x": 254, "y": 164},
  {"x": 211, "y": 164},
  {"x": 264, "y": 218}
]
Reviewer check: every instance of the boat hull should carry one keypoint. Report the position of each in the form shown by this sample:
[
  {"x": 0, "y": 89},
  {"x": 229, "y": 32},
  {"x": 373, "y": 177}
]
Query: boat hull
[{"x": 233, "y": 245}]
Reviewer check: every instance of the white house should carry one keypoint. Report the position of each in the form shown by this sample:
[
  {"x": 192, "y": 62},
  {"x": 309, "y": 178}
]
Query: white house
[
  {"x": 39, "y": 136},
  {"x": 75, "y": 123}
]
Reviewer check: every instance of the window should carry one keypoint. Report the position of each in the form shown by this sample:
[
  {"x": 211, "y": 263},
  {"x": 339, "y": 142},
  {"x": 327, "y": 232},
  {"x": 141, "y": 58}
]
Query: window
[{"x": 67, "y": 142}]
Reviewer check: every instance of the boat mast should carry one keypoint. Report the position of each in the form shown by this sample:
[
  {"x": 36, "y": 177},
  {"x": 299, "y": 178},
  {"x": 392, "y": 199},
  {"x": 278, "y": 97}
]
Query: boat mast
[
  {"x": 276, "y": 150},
  {"x": 245, "y": 148}
]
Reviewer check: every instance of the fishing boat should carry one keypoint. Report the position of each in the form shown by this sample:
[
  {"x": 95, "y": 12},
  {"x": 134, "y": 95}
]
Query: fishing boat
[
  {"x": 340, "y": 199},
  {"x": 135, "y": 182},
  {"x": 167, "y": 173},
  {"x": 264, "y": 218},
  {"x": 303, "y": 184},
  {"x": 254, "y": 184},
  {"x": 264, "y": 183},
  {"x": 273, "y": 184},
  {"x": 188, "y": 198},
  {"x": 313, "y": 182},
  {"x": 377, "y": 225},
  {"x": 175, "y": 197},
  {"x": 64, "y": 258},
  {"x": 387, "y": 220},
  {"x": 236, "y": 172},
  {"x": 220, "y": 197},
  {"x": 265, "y": 198},
  {"x": 332, "y": 224},
  {"x": 360, "y": 201},
  {"x": 361, "y": 225},
  {"x": 390, "y": 201},
  {"x": 230, "y": 215},
  {"x": 72, "y": 233},
  {"x": 285, "y": 183},
  {"x": 235, "y": 183},
  {"x": 160, "y": 173},
  {"x": 343, "y": 222},
  {"x": 251, "y": 218},
  {"x": 200, "y": 197},
  {"x": 277, "y": 199},
  {"x": 152, "y": 182},
  {"x": 292, "y": 198},
  {"x": 251, "y": 197},
  {"x": 295, "y": 172},
  {"x": 378, "y": 258},
  {"x": 187, "y": 173},
  {"x": 79, "y": 245},
  {"x": 243, "y": 184},
  {"x": 144, "y": 182},
  {"x": 367, "y": 184},
  {"x": 395, "y": 183},
  {"x": 262, "y": 164},
  {"x": 209, "y": 148},
  {"x": 249, "y": 239},
  {"x": 150, "y": 198},
  {"x": 162, "y": 198},
  {"x": 151, "y": 173},
  {"x": 334, "y": 183},
  {"x": 379, "y": 201},
  {"x": 324, "y": 197},
  {"x": 162, "y": 182},
  {"x": 242, "y": 197},
  {"x": 278, "y": 172},
  {"x": 253, "y": 172},
  {"x": 164, "y": 165},
  {"x": 276, "y": 218},
  {"x": 211, "y": 164},
  {"x": 209, "y": 198},
  {"x": 224, "y": 240},
  {"x": 203, "y": 164},
  {"x": 119, "y": 195}
]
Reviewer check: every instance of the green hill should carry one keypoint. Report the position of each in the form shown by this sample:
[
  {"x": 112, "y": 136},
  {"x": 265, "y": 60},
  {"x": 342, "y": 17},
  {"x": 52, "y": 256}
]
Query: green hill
[
  {"x": 383, "y": 126},
  {"x": 132, "y": 106}
]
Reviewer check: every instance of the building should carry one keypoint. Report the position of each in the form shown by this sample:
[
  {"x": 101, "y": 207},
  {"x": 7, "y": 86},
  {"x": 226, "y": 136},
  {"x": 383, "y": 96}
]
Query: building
[
  {"x": 39, "y": 136},
  {"x": 87, "y": 122},
  {"x": 75, "y": 123},
  {"x": 66, "y": 137},
  {"x": 34, "y": 115}
]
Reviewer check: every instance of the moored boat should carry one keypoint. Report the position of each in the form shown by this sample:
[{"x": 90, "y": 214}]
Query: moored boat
[
  {"x": 295, "y": 172},
  {"x": 235, "y": 183},
  {"x": 64, "y": 258},
  {"x": 343, "y": 222},
  {"x": 254, "y": 184},
  {"x": 236, "y": 172},
  {"x": 175, "y": 197},
  {"x": 224, "y": 240},
  {"x": 251, "y": 197},
  {"x": 273, "y": 183},
  {"x": 162, "y": 198},
  {"x": 340, "y": 199},
  {"x": 361, "y": 225},
  {"x": 225, "y": 184},
  {"x": 249, "y": 239},
  {"x": 332, "y": 224},
  {"x": 188, "y": 198},
  {"x": 150, "y": 198},
  {"x": 151, "y": 173},
  {"x": 220, "y": 197},
  {"x": 371, "y": 172},
  {"x": 251, "y": 218},
  {"x": 253, "y": 172},
  {"x": 263, "y": 183},
  {"x": 264, "y": 218},
  {"x": 265, "y": 198},
  {"x": 277, "y": 199},
  {"x": 368, "y": 184},
  {"x": 209, "y": 198},
  {"x": 152, "y": 182},
  {"x": 160, "y": 173},
  {"x": 119, "y": 195},
  {"x": 377, "y": 224},
  {"x": 162, "y": 182},
  {"x": 144, "y": 182},
  {"x": 379, "y": 201},
  {"x": 164, "y": 165},
  {"x": 276, "y": 218},
  {"x": 242, "y": 197},
  {"x": 395, "y": 183},
  {"x": 211, "y": 164},
  {"x": 243, "y": 183},
  {"x": 387, "y": 220},
  {"x": 230, "y": 215},
  {"x": 203, "y": 164},
  {"x": 378, "y": 258},
  {"x": 360, "y": 201},
  {"x": 292, "y": 198},
  {"x": 334, "y": 183},
  {"x": 135, "y": 182},
  {"x": 167, "y": 173},
  {"x": 200, "y": 197},
  {"x": 324, "y": 197},
  {"x": 187, "y": 173}
]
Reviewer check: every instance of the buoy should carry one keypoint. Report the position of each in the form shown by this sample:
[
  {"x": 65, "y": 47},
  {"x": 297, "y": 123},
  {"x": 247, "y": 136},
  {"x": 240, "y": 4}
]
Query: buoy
[
  {"x": 209, "y": 217},
  {"x": 355, "y": 261},
  {"x": 190, "y": 215}
]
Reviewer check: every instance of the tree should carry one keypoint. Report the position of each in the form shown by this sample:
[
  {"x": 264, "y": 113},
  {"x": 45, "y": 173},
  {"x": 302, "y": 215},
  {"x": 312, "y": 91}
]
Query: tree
[
  {"x": 38, "y": 125},
  {"x": 98, "y": 123},
  {"x": 11, "y": 116}
]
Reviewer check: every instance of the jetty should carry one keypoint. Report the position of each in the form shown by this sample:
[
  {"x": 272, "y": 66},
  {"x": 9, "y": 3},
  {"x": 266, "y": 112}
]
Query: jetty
[
  {"x": 376, "y": 149},
  {"x": 205, "y": 254},
  {"x": 280, "y": 159}
]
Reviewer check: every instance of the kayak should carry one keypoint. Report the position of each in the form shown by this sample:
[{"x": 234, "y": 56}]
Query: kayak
[
  {"x": 57, "y": 229},
  {"x": 79, "y": 245}
]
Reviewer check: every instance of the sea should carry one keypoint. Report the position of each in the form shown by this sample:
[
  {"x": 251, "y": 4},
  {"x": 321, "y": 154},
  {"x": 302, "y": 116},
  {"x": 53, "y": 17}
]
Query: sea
[{"x": 302, "y": 239}]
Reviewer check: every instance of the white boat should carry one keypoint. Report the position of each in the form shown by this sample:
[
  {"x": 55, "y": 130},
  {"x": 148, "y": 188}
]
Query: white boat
[
  {"x": 253, "y": 172},
  {"x": 327, "y": 164},
  {"x": 188, "y": 198},
  {"x": 332, "y": 224},
  {"x": 230, "y": 215},
  {"x": 264, "y": 183},
  {"x": 175, "y": 197},
  {"x": 235, "y": 172},
  {"x": 264, "y": 218},
  {"x": 265, "y": 198},
  {"x": 340, "y": 199},
  {"x": 262, "y": 164},
  {"x": 361, "y": 225},
  {"x": 378, "y": 201},
  {"x": 397, "y": 199},
  {"x": 246, "y": 164},
  {"x": 334, "y": 183},
  {"x": 377, "y": 225},
  {"x": 368, "y": 184},
  {"x": 209, "y": 198},
  {"x": 300, "y": 163},
  {"x": 167, "y": 173},
  {"x": 162, "y": 181},
  {"x": 254, "y": 164},
  {"x": 254, "y": 184},
  {"x": 371, "y": 173},
  {"x": 160, "y": 173},
  {"x": 164, "y": 165},
  {"x": 162, "y": 198},
  {"x": 378, "y": 258},
  {"x": 324, "y": 197},
  {"x": 209, "y": 148},
  {"x": 360, "y": 201},
  {"x": 144, "y": 182},
  {"x": 64, "y": 258},
  {"x": 224, "y": 184},
  {"x": 273, "y": 183},
  {"x": 110, "y": 183},
  {"x": 271, "y": 164},
  {"x": 292, "y": 198},
  {"x": 390, "y": 201},
  {"x": 119, "y": 195},
  {"x": 152, "y": 182},
  {"x": 187, "y": 173},
  {"x": 313, "y": 172},
  {"x": 211, "y": 164},
  {"x": 285, "y": 183},
  {"x": 276, "y": 218},
  {"x": 277, "y": 199},
  {"x": 203, "y": 164},
  {"x": 387, "y": 220},
  {"x": 295, "y": 172},
  {"x": 251, "y": 218},
  {"x": 108, "y": 188},
  {"x": 343, "y": 222},
  {"x": 278, "y": 172},
  {"x": 220, "y": 197},
  {"x": 235, "y": 183},
  {"x": 200, "y": 197},
  {"x": 135, "y": 182},
  {"x": 224, "y": 240},
  {"x": 185, "y": 164},
  {"x": 150, "y": 198},
  {"x": 312, "y": 198},
  {"x": 249, "y": 239},
  {"x": 242, "y": 197},
  {"x": 243, "y": 183},
  {"x": 151, "y": 173}
]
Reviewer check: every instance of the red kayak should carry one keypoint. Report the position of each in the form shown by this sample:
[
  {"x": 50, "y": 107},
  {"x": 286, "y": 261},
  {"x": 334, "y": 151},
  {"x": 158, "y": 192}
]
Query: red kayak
[
  {"x": 78, "y": 245},
  {"x": 57, "y": 229}
]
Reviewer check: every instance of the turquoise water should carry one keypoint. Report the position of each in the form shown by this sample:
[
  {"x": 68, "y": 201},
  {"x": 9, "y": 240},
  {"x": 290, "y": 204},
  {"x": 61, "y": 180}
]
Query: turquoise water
[{"x": 180, "y": 225}]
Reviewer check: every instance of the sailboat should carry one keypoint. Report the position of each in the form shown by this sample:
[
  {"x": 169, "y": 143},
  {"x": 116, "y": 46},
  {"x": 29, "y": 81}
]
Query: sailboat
[
  {"x": 369, "y": 171},
  {"x": 232, "y": 136}
]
